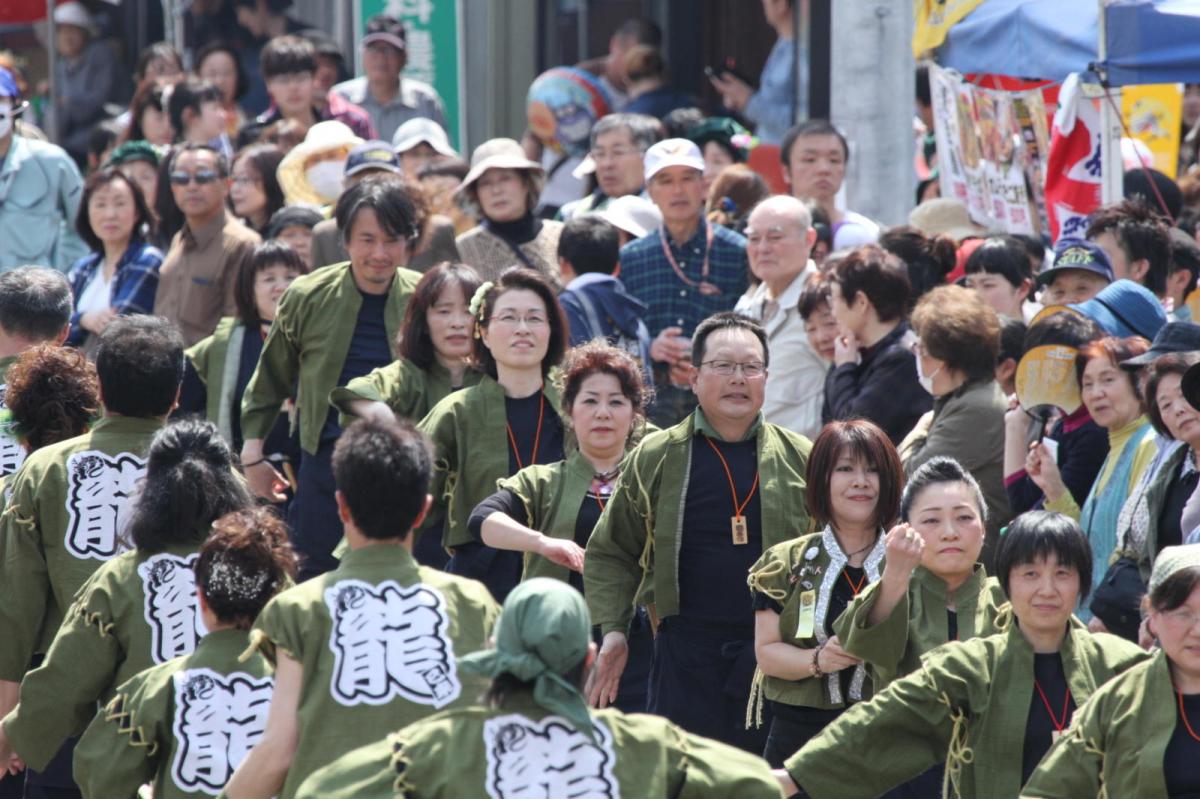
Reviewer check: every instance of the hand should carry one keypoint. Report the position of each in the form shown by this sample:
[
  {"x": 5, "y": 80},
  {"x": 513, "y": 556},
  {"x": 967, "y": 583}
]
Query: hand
[
  {"x": 680, "y": 373},
  {"x": 373, "y": 410},
  {"x": 266, "y": 482},
  {"x": 786, "y": 783},
  {"x": 8, "y": 757},
  {"x": 832, "y": 658},
  {"x": 96, "y": 321},
  {"x": 902, "y": 552},
  {"x": 15, "y": 766},
  {"x": 1097, "y": 626},
  {"x": 845, "y": 349},
  {"x": 605, "y": 678},
  {"x": 563, "y": 552},
  {"x": 735, "y": 92},
  {"x": 670, "y": 346},
  {"x": 1043, "y": 471}
]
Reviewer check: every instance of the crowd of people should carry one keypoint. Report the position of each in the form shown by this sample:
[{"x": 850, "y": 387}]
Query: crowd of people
[{"x": 336, "y": 465}]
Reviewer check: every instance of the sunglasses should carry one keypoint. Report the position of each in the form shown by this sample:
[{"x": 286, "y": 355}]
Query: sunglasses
[{"x": 202, "y": 178}]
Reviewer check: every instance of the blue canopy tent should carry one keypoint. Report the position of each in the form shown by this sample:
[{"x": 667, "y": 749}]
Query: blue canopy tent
[{"x": 1144, "y": 41}]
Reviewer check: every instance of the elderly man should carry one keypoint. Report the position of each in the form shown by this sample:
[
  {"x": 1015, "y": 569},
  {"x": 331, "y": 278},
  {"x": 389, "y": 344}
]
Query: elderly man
[
  {"x": 779, "y": 237},
  {"x": 705, "y": 499},
  {"x": 619, "y": 143},
  {"x": 686, "y": 270}
]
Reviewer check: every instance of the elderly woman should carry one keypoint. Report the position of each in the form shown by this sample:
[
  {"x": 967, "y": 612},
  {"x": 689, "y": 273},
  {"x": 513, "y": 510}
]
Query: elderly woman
[
  {"x": 959, "y": 339},
  {"x": 503, "y": 186}
]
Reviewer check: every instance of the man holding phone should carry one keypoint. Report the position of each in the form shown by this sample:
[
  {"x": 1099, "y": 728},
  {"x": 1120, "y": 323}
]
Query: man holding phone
[{"x": 772, "y": 107}]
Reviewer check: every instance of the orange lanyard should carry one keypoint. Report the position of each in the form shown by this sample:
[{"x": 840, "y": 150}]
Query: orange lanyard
[
  {"x": 704, "y": 286},
  {"x": 599, "y": 501},
  {"x": 738, "y": 507},
  {"x": 537, "y": 437},
  {"x": 853, "y": 587},
  {"x": 1183, "y": 715},
  {"x": 1059, "y": 726}
]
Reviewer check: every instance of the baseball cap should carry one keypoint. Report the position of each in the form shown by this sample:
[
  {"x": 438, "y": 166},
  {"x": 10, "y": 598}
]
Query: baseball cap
[
  {"x": 1174, "y": 337},
  {"x": 8, "y": 84},
  {"x": 387, "y": 29},
  {"x": 375, "y": 154},
  {"x": 1124, "y": 309},
  {"x": 421, "y": 129},
  {"x": 672, "y": 152},
  {"x": 1076, "y": 254},
  {"x": 74, "y": 13}
]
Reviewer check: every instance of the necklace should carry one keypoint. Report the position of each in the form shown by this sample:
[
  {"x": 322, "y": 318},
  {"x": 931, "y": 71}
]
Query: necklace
[
  {"x": 537, "y": 438},
  {"x": 1183, "y": 715},
  {"x": 609, "y": 476}
]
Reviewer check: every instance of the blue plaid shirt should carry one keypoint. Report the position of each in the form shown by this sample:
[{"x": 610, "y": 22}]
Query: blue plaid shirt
[
  {"x": 134, "y": 283},
  {"x": 648, "y": 276}
]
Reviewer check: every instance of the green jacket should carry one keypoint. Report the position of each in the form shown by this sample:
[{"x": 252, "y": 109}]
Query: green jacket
[
  {"x": 470, "y": 444},
  {"x": 1116, "y": 742},
  {"x": 218, "y": 372},
  {"x": 521, "y": 750},
  {"x": 407, "y": 389},
  {"x": 65, "y": 511},
  {"x": 308, "y": 344},
  {"x": 378, "y": 640},
  {"x": 12, "y": 454},
  {"x": 968, "y": 705},
  {"x": 785, "y": 571},
  {"x": 642, "y": 525},
  {"x": 183, "y": 726},
  {"x": 918, "y": 624},
  {"x": 137, "y": 610}
]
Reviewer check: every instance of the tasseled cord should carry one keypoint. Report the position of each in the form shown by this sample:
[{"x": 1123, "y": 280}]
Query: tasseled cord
[
  {"x": 958, "y": 754},
  {"x": 754, "y": 707}
]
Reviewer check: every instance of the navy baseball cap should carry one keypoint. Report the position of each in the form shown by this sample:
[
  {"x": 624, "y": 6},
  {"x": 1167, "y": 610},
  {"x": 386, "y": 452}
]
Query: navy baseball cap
[
  {"x": 372, "y": 155},
  {"x": 1076, "y": 254},
  {"x": 1124, "y": 309}
]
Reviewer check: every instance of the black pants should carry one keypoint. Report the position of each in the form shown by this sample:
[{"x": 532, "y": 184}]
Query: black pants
[
  {"x": 700, "y": 679},
  {"x": 791, "y": 728},
  {"x": 926, "y": 786},
  {"x": 499, "y": 569},
  {"x": 313, "y": 517}
]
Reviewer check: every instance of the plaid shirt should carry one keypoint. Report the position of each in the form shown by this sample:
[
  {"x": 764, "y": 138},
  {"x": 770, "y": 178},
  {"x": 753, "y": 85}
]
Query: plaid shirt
[
  {"x": 647, "y": 275},
  {"x": 133, "y": 287}
]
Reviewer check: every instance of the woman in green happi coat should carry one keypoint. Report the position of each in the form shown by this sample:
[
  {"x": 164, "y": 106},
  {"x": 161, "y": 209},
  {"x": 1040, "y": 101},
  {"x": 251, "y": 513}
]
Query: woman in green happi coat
[
  {"x": 508, "y": 421},
  {"x": 185, "y": 725},
  {"x": 1140, "y": 734},
  {"x": 989, "y": 707}
]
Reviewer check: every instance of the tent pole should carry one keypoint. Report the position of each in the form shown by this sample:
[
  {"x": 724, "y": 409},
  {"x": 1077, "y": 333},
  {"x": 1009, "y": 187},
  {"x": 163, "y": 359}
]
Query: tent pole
[{"x": 1110, "y": 124}]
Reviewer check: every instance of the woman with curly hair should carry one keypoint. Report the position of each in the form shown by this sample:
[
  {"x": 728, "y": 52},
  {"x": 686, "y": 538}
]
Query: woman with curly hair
[{"x": 53, "y": 394}]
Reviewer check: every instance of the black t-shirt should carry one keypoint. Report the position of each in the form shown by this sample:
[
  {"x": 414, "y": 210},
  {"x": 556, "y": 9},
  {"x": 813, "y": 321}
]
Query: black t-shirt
[
  {"x": 369, "y": 349},
  {"x": 712, "y": 569},
  {"x": 951, "y": 625},
  {"x": 1046, "y": 714},
  {"x": 523, "y": 415},
  {"x": 1180, "y": 769},
  {"x": 1178, "y": 493}
]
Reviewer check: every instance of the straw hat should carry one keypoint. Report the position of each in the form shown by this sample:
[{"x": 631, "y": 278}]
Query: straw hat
[
  {"x": 945, "y": 215},
  {"x": 500, "y": 154},
  {"x": 323, "y": 137}
]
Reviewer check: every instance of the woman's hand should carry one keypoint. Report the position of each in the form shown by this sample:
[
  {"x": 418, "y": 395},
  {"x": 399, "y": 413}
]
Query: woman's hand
[
  {"x": 261, "y": 476},
  {"x": 845, "y": 349},
  {"x": 903, "y": 548},
  {"x": 605, "y": 678},
  {"x": 1043, "y": 471},
  {"x": 96, "y": 321},
  {"x": 563, "y": 552},
  {"x": 832, "y": 658}
]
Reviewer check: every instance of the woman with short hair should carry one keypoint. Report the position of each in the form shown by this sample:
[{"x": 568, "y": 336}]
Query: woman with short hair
[{"x": 999, "y": 272}]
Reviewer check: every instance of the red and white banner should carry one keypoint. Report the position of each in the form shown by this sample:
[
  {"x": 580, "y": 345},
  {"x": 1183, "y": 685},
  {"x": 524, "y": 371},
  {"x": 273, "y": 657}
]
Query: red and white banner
[{"x": 1074, "y": 172}]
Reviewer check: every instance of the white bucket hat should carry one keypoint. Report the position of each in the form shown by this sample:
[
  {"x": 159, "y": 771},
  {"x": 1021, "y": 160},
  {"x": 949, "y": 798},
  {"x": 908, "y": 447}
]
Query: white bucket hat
[
  {"x": 422, "y": 129},
  {"x": 322, "y": 137},
  {"x": 633, "y": 214}
]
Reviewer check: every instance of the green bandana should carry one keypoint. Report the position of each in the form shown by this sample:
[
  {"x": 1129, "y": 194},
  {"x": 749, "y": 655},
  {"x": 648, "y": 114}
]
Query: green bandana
[{"x": 543, "y": 632}]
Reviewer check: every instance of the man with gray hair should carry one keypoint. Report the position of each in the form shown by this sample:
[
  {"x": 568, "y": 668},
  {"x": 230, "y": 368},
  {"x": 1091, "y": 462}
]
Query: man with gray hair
[
  {"x": 779, "y": 237},
  {"x": 35, "y": 308},
  {"x": 618, "y": 143}
]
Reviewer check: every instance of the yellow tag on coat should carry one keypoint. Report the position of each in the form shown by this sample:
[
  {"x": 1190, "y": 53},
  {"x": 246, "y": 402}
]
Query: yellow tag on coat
[{"x": 806, "y": 625}]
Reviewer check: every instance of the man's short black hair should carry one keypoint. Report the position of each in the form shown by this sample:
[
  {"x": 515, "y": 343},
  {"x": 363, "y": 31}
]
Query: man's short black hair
[
  {"x": 140, "y": 365},
  {"x": 383, "y": 470},
  {"x": 385, "y": 195},
  {"x": 1064, "y": 328},
  {"x": 1140, "y": 233},
  {"x": 811, "y": 127},
  {"x": 287, "y": 55},
  {"x": 191, "y": 93},
  {"x": 726, "y": 320},
  {"x": 1038, "y": 534},
  {"x": 1012, "y": 339},
  {"x": 590, "y": 244},
  {"x": 641, "y": 31},
  {"x": 193, "y": 147},
  {"x": 35, "y": 303},
  {"x": 1185, "y": 255}
]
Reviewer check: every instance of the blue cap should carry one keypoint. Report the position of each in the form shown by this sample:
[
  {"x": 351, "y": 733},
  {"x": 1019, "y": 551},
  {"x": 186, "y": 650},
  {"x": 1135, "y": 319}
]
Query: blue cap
[
  {"x": 372, "y": 155},
  {"x": 1076, "y": 254},
  {"x": 1124, "y": 309},
  {"x": 8, "y": 84}
]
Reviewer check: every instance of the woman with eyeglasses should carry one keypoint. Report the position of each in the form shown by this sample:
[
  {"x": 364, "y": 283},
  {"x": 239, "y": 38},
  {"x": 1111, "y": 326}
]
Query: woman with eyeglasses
[
  {"x": 254, "y": 190},
  {"x": 508, "y": 421},
  {"x": 1139, "y": 735}
]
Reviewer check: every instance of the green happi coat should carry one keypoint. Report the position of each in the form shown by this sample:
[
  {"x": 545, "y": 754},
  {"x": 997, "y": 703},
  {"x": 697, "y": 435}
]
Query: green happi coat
[
  {"x": 65, "y": 512},
  {"x": 468, "y": 431},
  {"x": 345, "y": 629},
  {"x": 308, "y": 344},
  {"x": 410, "y": 391},
  {"x": 12, "y": 454},
  {"x": 462, "y": 753},
  {"x": 636, "y": 543},
  {"x": 218, "y": 371},
  {"x": 810, "y": 563},
  {"x": 183, "y": 726},
  {"x": 918, "y": 623},
  {"x": 967, "y": 704},
  {"x": 137, "y": 610},
  {"x": 1117, "y": 741}
]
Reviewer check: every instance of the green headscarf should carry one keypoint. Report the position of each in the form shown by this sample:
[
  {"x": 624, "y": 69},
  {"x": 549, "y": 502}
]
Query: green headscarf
[{"x": 543, "y": 632}]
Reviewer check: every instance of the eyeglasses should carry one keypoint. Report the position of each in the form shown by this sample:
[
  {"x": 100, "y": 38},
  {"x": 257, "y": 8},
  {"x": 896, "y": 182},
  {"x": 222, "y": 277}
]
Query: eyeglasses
[
  {"x": 1181, "y": 619},
  {"x": 749, "y": 371},
  {"x": 618, "y": 152},
  {"x": 512, "y": 320},
  {"x": 203, "y": 177}
]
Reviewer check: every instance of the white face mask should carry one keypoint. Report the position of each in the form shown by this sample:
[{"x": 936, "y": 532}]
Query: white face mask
[
  {"x": 926, "y": 382},
  {"x": 6, "y": 117},
  {"x": 326, "y": 179}
]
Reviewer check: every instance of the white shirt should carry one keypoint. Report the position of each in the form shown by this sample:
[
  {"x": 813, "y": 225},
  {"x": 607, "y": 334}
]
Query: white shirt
[{"x": 96, "y": 295}]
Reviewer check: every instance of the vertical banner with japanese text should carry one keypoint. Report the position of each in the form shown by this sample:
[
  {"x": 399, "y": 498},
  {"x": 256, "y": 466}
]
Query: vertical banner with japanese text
[{"x": 1074, "y": 171}]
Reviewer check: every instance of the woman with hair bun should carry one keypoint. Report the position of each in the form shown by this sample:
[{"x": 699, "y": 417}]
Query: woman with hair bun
[
  {"x": 138, "y": 609},
  {"x": 178, "y": 725}
]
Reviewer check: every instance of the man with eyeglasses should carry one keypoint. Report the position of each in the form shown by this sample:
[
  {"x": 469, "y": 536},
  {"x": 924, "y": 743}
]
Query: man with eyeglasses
[
  {"x": 197, "y": 278},
  {"x": 696, "y": 505},
  {"x": 618, "y": 144},
  {"x": 779, "y": 238}
]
